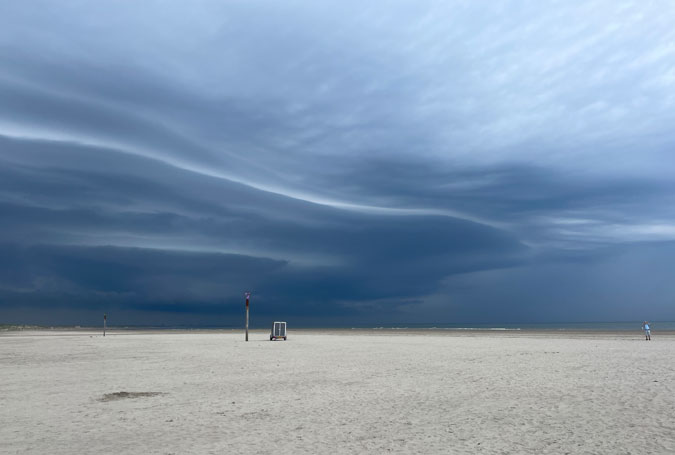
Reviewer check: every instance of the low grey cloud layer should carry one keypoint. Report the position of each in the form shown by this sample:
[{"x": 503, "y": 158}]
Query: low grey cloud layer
[{"x": 435, "y": 161}]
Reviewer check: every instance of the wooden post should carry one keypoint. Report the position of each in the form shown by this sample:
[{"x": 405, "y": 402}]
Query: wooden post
[
  {"x": 248, "y": 294},
  {"x": 105, "y": 316}
]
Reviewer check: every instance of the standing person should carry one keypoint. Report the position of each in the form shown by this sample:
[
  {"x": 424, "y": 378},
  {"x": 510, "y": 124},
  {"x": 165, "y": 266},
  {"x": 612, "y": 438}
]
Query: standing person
[{"x": 648, "y": 334}]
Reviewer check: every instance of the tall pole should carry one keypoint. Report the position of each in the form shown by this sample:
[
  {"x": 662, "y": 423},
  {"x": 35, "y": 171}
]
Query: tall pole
[
  {"x": 248, "y": 294},
  {"x": 105, "y": 316}
]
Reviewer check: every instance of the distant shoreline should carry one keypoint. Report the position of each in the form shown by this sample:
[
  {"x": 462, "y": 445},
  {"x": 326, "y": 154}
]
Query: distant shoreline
[
  {"x": 262, "y": 333},
  {"x": 623, "y": 326}
]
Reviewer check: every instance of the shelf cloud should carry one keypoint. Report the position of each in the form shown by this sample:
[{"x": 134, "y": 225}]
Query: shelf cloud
[{"x": 347, "y": 163}]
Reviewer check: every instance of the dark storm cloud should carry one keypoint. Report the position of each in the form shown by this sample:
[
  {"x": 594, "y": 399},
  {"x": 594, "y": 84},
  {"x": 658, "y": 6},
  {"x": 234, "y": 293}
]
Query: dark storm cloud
[
  {"x": 344, "y": 162},
  {"x": 533, "y": 200},
  {"x": 336, "y": 256}
]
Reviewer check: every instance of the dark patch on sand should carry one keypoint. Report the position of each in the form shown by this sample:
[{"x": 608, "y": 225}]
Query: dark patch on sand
[{"x": 123, "y": 395}]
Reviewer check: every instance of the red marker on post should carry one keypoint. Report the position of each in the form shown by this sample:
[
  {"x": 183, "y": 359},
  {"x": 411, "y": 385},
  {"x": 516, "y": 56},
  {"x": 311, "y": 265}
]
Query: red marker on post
[{"x": 248, "y": 295}]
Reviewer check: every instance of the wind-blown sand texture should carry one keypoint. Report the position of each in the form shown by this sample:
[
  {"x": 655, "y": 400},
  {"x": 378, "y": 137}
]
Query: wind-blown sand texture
[{"x": 336, "y": 392}]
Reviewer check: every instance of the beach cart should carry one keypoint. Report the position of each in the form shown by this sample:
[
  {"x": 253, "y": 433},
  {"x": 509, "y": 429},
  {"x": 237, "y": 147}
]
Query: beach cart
[{"x": 278, "y": 331}]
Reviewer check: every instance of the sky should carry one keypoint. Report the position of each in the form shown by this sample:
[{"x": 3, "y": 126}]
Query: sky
[{"x": 348, "y": 163}]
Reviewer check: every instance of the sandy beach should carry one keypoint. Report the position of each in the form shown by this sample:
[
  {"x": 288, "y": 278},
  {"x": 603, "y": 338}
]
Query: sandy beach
[{"x": 336, "y": 392}]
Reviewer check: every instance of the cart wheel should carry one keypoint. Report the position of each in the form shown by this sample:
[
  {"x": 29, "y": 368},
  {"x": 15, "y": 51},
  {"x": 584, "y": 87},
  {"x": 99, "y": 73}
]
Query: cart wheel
[{"x": 284, "y": 338}]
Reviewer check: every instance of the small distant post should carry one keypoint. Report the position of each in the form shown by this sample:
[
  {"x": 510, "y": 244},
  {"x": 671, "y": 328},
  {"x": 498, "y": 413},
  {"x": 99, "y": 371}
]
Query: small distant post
[
  {"x": 105, "y": 317},
  {"x": 248, "y": 295}
]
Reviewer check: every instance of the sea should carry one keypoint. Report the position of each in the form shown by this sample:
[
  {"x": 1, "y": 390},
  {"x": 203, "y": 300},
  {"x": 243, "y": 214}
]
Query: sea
[{"x": 624, "y": 326}]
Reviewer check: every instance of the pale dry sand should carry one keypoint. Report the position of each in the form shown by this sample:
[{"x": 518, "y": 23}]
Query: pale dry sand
[{"x": 338, "y": 392}]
